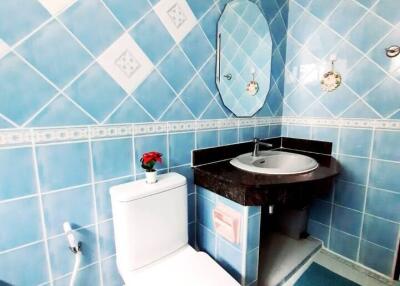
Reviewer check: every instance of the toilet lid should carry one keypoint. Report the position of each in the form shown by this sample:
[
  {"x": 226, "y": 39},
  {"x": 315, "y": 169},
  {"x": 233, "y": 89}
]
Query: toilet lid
[{"x": 182, "y": 268}]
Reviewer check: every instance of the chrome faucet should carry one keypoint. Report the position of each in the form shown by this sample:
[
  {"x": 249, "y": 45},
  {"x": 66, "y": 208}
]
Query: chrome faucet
[{"x": 257, "y": 144}]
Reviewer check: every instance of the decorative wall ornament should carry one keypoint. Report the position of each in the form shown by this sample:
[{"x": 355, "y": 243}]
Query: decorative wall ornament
[
  {"x": 252, "y": 87},
  {"x": 331, "y": 80}
]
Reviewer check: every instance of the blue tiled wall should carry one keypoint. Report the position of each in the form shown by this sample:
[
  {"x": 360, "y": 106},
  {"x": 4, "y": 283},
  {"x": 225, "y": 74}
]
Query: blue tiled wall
[
  {"x": 54, "y": 73},
  {"x": 240, "y": 260},
  {"x": 360, "y": 218}
]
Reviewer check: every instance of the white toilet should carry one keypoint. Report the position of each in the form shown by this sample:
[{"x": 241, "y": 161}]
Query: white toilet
[{"x": 151, "y": 237}]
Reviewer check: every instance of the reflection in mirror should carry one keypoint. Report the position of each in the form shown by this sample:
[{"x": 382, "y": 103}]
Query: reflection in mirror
[{"x": 243, "y": 57}]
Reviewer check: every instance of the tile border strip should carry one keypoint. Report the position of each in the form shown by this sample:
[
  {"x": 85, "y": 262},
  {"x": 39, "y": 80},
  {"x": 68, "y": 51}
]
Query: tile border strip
[{"x": 17, "y": 137}]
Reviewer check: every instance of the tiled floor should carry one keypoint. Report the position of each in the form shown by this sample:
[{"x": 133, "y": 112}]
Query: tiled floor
[{"x": 328, "y": 260}]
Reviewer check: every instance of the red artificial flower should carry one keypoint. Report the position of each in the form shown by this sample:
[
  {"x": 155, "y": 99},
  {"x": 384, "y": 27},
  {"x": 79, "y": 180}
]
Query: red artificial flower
[{"x": 149, "y": 159}]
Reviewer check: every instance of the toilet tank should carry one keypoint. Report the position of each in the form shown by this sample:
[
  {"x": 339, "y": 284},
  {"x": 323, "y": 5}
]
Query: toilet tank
[{"x": 150, "y": 220}]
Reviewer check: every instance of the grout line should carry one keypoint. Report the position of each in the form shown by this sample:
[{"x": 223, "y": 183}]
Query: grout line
[
  {"x": 95, "y": 210},
  {"x": 42, "y": 214}
]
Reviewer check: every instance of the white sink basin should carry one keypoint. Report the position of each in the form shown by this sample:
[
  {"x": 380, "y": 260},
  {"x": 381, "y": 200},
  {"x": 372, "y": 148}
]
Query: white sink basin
[{"x": 275, "y": 162}]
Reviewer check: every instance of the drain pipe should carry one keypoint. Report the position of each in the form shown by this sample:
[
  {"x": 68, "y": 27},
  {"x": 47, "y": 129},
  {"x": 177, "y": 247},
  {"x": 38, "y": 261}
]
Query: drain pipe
[{"x": 75, "y": 247}]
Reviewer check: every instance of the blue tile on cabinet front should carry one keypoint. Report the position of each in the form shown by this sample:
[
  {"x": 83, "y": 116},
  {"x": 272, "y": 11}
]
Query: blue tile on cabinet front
[
  {"x": 61, "y": 260},
  {"x": 180, "y": 148},
  {"x": 112, "y": 158},
  {"x": 16, "y": 173},
  {"x": 63, "y": 165},
  {"x": 252, "y": 265},
  {"x": 20, "y": 223},
  {"x": 75, "y": 206},
  {"x": 145, "y": 144},
  {"x": 253, "y": 232},
  {"x": 32, "y": 271},
  {"x": 204, "y": 212},
  {"x": 229, "y": 258},
  {"x": 206, "y": 240}
]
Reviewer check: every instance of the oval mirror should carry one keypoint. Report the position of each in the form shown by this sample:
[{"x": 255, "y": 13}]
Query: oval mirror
[{"x": 243, "y": 57}]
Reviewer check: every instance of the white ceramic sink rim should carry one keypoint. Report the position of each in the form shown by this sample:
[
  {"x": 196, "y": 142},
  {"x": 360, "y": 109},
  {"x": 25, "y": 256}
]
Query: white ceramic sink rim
[{"x": 275, "y": 163}]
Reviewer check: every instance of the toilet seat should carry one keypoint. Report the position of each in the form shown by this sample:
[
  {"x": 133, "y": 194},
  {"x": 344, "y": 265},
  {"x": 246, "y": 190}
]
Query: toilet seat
[{"x": 184, "y": 267}]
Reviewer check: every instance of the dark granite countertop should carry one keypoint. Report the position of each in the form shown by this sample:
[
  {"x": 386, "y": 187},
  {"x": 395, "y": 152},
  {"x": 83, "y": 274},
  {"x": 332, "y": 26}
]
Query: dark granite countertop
[{"x": 249, "y": 188}]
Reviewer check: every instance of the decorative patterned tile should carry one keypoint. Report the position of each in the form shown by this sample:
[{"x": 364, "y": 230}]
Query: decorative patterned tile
[
  {"x": 126, "y": 63},
  {"x": 55, "y": 7},
  {"x": 177, "y": 17}
]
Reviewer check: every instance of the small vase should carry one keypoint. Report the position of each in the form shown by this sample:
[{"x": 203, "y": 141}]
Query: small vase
[{"x": 151, "y": 177}]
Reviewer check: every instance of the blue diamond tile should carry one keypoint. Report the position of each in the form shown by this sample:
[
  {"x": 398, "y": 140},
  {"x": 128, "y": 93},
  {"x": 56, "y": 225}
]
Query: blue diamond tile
[
  {"x": 96, "y": 92},
  {"x": 274, "y": 99},
  {"x": 213, "y": 111},
  {"x": 197, "y": 47},
  {"x": 128, "y": 11},
  {"x": 322, "y": 39},
  {"x": 299, "y": 32},
  {"x": 368, "y": 32},
  {"x": 61, "y": 112},
  {"x": 294, "y": 14},
  {"x": 18, "y": 18},
  {"x": 367, "y": 3},
  {"x": 322, "y": 8},
  {"x": 347, "y": 57},
  {"x": 389, "y": 10},
  {"x": 208, "y": 75},
  {"x": 364, "y": 70},
  {"x": 55, "y": 53},
  {"x": 208, "y": 25},
  {"x": 299, "y": 100},
  {"x": 278, "y": 30},
  {"x": 177, "y": 111},
  {"x": 92, "y": 24},
  {"x": 339, "y": 100},
  {"x": 385, "y": 97},
  {"x": 292, "y": 48},
  {"x": 176, "y": 61},
  {"x": 154, "y": 94},
  {"x": 196, "y": 96},
  {"x": 200, "y": 7},
  {"x": 345, "y": 16},
  {"x": 360, "y": 110},
  {"x": 129, "y": 112},
  {"x": 4, "y": 124},
  {"x": 146, "y": 40},
  {"x": 317, "y": 110},
  {"x": 22, "y": 91}
]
